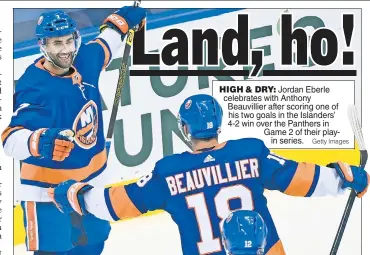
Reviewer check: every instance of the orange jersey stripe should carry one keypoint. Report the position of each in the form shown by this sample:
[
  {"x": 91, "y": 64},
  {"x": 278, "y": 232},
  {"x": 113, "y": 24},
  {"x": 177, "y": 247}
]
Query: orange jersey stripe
[
  {"x": 106, "y": 52},
  {"x": 302, "y": 180},
  {"x": 73, "y": 76},
  {"x": 122, "y": 204},
  {"x": 7, "y": 131},
  {"x": 40, "y": 64},
  {"x": 32, "y": 228},
  {"x": 56, "y": 176},
  {"x": 276, "y": 249}
]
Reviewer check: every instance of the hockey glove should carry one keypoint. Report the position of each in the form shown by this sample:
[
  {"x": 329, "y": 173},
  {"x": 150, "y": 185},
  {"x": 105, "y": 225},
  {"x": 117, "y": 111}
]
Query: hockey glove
[
  {"x": 353, "y": 177},
  {"x": 68, "y": 196},
  {"x": 124, "y": 19},
  {"x": 51, "y": 143}
]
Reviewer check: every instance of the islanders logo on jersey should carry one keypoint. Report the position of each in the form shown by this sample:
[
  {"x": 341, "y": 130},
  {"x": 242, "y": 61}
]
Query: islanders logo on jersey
[{"x": 86, "y": 126}]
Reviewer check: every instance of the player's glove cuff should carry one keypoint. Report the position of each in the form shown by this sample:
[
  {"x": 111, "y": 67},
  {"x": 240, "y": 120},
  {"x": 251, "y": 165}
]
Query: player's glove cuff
[
  {"x": 115, "y": 22},
  {"x": 34, "y": 142},
  {"x": 353, "y": 177},
  {"x": 126, "y": 18},
  {"x": 51, "y": 143},
  {"x": 68, "y": 196}
]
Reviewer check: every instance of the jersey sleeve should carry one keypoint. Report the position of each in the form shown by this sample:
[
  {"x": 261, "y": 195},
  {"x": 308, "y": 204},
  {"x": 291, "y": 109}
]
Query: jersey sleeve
[
  {"x": 147, "y": 194},
  {"x": 30, "y": 112},
  {"x": 99, "y": 50},
  {"x": 297, "y": 178},
  {"x": 104, "y": 46}
]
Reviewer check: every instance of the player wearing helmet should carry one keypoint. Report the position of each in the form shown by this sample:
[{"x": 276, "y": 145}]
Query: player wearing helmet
[
  {"x": 57, "y": 129},
  {"x": 59, "y": 41},
  {"x": 199, "y": 189},
  {"x": 244, "y": 232}
]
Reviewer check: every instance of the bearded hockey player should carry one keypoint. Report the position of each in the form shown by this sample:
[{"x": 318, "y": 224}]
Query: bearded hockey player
[
  {"x": 57, "y": 128},
  {"x": 201, "y": 188},
  {"x": 244, "y": 232}
]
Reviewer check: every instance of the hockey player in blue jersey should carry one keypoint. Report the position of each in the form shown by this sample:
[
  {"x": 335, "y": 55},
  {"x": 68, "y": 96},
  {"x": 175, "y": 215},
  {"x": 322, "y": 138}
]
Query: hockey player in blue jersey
[
  {"x": 199, "y": 189},
  {"x": 57, "y": 128},
  {"x": 244, "y": 232}
]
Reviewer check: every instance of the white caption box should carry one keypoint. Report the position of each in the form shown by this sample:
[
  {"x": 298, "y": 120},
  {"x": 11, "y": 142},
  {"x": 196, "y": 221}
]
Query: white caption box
[{"x": 287, "y": 114}]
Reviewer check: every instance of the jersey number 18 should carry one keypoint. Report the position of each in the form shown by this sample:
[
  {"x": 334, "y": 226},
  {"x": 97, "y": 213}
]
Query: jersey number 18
[{"x": 208, "y": 243}]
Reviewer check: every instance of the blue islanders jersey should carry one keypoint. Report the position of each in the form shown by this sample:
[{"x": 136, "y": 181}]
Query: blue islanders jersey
[
  {"x": 199, "y": 190},
  {"x": 44, "y": 100}
]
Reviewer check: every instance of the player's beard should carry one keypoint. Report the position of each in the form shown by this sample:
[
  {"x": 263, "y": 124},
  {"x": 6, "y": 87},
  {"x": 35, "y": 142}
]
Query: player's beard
[{"x": 62, "y": 60}]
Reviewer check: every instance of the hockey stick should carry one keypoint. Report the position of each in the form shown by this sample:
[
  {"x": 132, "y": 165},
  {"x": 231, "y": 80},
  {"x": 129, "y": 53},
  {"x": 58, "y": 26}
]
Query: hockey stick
[
  {"x": 120, "y": 83},
  {"x": 75, "y": 217},
  {"x": 356, "y": 127}
]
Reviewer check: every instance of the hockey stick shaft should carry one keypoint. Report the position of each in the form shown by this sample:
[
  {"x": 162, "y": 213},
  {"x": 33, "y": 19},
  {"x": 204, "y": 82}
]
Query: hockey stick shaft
[
  {"x": 363, "y": 159},
  {"x": 120, "y": 83}
]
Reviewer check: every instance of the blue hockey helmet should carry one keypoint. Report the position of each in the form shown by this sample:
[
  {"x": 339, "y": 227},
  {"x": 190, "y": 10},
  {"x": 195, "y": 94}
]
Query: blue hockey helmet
[
  {"x": 55, "y": 24},
  {"x": 244, "y": 232},
  {"x": 202, "y": 115}
]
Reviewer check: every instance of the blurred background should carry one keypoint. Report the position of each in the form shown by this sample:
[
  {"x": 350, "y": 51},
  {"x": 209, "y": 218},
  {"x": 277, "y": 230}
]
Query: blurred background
[
  {"x": 25, "y": 19},
  {"x": 89, "y": 20}
]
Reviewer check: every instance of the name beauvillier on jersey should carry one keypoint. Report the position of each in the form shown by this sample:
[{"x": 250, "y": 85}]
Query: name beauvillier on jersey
[{"x": 198, "y": 178}]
